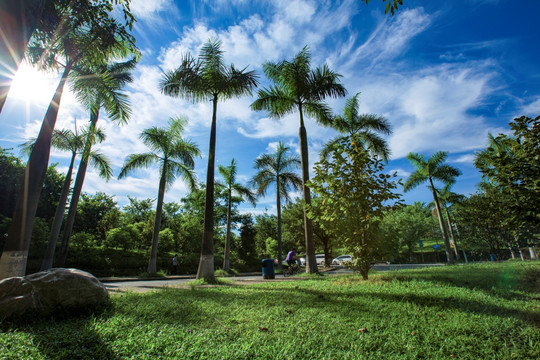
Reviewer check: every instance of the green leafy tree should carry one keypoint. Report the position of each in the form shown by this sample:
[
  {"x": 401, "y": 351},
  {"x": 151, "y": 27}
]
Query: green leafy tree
[
  {"x": 247, "y": 257},
  {"x": 266, "y": 227},
  {"x": 175, "y": 156},
  {"x": 277, "y": 169},
  {"x": 92, "y": 209},
  {"x": 481, "y": 218},
  {"x": 512, "y": 164},
  {"x": 406, "y": 225},
  {"x": 138, "y": 210},
  {"x": 199, "y": 80},
  {"x": 355, "y": 193},
  {"x": 297, "y": 87},
  {"x": 366, "y": 127},
  {"x": 430, "y": 170},
  {"x": 11, "y": 171},
  {"x": 236, "y": 192}
]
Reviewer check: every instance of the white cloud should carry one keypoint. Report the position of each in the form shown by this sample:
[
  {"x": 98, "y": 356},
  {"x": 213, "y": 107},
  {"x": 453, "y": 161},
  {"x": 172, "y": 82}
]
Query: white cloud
[
  {"x": 146, "y": 10},
  {"x": 400, "y": 172},
  {"x": 467, "y": 158},
  {"x": 532, "y": 109}
]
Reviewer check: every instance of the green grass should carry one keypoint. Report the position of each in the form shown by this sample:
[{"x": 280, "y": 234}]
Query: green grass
[{"x": 486, "y": 311}]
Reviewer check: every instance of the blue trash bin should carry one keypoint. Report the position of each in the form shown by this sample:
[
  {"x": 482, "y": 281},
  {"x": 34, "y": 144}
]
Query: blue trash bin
[{"x": 268, "y": 269}]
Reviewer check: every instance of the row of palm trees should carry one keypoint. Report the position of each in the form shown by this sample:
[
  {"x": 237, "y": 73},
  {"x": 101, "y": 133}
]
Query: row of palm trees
[
  {"x": 296, "y": 88},
  {"x": 82, "y": 42}
]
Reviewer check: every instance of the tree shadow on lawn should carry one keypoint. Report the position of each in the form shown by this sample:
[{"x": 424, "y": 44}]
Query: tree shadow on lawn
[
  {"x": 508, "y": 283},
  {"x": 65, "y": 336}
]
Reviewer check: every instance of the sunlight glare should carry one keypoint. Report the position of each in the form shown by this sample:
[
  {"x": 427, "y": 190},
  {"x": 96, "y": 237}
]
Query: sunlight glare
[{"x": 33, "y": 86}]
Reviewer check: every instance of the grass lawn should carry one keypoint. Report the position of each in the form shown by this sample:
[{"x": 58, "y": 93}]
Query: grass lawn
[{"x": 481, "y": 311}]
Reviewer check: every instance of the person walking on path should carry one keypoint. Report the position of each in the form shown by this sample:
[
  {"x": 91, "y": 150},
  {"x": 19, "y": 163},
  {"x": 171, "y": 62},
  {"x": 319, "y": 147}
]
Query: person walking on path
[{"x": 174, "y": 265}]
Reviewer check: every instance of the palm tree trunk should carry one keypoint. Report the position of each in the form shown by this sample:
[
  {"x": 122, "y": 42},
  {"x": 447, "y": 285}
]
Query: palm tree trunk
[
  {"x": 14, "y": 256},
  {"x": 311, "y": 263},
  {"x": 58, "y": 217},
  {"x": 279, "y": 243},
  {"x": 227, "y": 251},
  {"x": 77, "y": 189},
  {"x": 206, "y": 262},
  {"x": 449, "y": 253},
  {"x": 451, "y": 231},
  {"x": 18, "y": 20},
  {"x": 152, "y": 264}
]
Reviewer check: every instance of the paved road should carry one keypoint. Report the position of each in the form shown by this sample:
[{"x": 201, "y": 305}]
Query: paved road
[{"x": 147, "y": 285}]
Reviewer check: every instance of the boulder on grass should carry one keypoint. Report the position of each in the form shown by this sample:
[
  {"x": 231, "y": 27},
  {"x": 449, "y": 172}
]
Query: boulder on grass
[{"x": 51, "y": 291}]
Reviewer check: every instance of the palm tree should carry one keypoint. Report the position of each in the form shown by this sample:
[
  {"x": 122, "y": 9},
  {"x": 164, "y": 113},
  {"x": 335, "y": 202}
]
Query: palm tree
[
  {"x": 77, "y": 46},
  {"x": 68, "y": 140},
  {"x": 240, "y": 193},
  {"x": 446, "y": 196},
  {"x": 278, "y": 168},
  {"x": 299, "y": 88},
  {"x": 433, "y": 169},
  {"x": 175, "y": 157},
  {"x": 364, "y": 127},
  {"x": 101, "y": 87},
  {"x": 199, "y": 80}
]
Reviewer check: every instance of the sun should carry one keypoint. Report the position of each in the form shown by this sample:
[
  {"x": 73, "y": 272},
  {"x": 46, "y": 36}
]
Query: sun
[{"x": 33, "y": 86}]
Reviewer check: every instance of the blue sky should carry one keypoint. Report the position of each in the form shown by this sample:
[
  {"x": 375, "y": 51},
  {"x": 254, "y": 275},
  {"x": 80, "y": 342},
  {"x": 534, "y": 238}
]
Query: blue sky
[{"x": 444, "y": 73}]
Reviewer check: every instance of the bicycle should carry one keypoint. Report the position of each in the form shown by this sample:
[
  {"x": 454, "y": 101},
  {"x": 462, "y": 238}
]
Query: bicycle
[{"x": 292, "y": 270}]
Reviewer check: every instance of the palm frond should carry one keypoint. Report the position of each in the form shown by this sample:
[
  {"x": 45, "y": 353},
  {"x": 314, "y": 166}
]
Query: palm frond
[
  {"x": 415, "y": 179},
  {"x": 137, "y": 161},
  {"x": 102, "y": 164}
]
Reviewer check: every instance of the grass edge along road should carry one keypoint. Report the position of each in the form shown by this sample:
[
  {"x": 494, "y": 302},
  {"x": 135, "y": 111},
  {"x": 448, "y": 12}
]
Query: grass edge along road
[{"x": 477, "y": 311}]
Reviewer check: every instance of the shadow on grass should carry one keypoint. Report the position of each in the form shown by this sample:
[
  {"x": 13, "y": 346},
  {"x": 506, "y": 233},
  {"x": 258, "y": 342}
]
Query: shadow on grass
[
  {"x": 509, "y": 282},
  {"x": 65, "y": 336}
]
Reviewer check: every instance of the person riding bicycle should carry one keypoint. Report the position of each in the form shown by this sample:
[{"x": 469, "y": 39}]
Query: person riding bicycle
[{"x": 291, "y": 259}]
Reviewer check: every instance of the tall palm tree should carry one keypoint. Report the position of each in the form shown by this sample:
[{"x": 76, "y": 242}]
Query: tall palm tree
[
  {"x": 100, "y": 87},
  {"x": 235, "y": 192},
  {"x": 299, "y": 88},
  {"x": 366, "y": 128},
  {"x": 278, "y": 168},
  {"x": 175, "y": 158},
  {"x": 73, "y": 48},
  {"x": 198, "y": 80},
  {"x": 433, "y": 169}
]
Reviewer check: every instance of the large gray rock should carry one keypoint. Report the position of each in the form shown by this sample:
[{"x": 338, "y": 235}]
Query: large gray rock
[{"x": 50, "y": 291}]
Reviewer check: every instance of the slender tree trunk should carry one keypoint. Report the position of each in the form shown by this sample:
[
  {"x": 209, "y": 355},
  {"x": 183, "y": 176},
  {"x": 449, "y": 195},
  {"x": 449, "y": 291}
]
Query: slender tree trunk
[
  {"x": 311, "y": 263},
  {"x": 447, "y": 249},
  {"x": 58, "y": 217},
  {"x": 227, "y": 250},
  {"x": 18, "y": 20},
  {"x": 206, "y": 262},
  {"x": 454, "y": 242},
  {"x": 532, "y": 253},
  {"x": 14, "y": 257},
  {"x": 512, "y": 253},
  {"x": 279, "y": 242},
  {"x": 77, "y": 189},
  {"x": 152, "y": 264}
]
